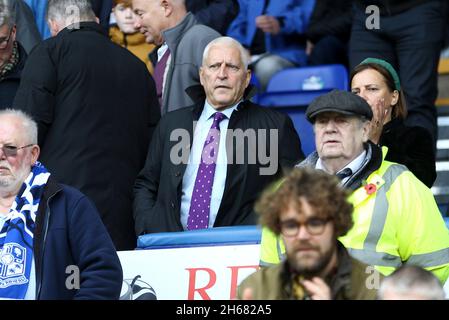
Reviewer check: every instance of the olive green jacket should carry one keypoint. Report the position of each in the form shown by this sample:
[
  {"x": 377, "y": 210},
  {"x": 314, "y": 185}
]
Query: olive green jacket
[{"x": 353, "y": 280}]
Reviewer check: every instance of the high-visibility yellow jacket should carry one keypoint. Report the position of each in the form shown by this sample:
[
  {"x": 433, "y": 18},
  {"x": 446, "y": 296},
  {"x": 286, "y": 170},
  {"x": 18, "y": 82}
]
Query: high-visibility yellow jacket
[{"x": 396, "y": 221}]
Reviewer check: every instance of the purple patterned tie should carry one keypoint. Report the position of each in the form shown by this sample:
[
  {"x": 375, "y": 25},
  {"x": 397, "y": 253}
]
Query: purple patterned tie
[
  {"x": 159, "y": 71},
  {"x": 202, "y": 190}
]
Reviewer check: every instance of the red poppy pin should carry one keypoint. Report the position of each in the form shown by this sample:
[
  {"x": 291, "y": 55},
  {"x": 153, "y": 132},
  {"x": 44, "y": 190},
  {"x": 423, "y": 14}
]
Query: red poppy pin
[{"x": 370, "y": 188}]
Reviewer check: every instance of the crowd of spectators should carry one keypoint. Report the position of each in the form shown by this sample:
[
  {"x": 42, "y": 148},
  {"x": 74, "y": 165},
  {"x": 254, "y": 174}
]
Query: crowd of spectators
[{"x": 144, "y": 106}]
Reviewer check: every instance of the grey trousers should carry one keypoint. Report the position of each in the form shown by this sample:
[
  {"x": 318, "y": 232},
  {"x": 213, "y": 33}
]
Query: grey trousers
[{"x": 267, "y": 66}]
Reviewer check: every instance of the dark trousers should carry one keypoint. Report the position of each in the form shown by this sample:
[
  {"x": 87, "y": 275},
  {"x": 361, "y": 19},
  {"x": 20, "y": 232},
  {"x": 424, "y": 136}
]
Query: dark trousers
[
  {"x": 411, "y": 41},
  {"x": 329, "y": 50}
]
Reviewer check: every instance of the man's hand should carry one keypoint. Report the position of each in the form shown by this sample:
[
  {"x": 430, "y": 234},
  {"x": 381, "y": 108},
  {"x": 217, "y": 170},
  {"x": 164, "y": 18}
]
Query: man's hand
[
  {"x": 268, "y": 24},
  {"x": 317, "y": 289}
]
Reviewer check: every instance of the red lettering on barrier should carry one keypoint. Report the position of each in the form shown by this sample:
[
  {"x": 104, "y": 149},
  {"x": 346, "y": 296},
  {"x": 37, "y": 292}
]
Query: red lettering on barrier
[
  {"x": 201, "y": 291},
  {"x": 234, "y": 278}
]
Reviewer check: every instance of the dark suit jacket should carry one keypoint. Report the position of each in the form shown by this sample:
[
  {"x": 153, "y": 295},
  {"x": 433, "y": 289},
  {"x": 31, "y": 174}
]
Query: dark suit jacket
[
  {"x": 95, "y": 105},
  {"x": 158, "y": 187}
]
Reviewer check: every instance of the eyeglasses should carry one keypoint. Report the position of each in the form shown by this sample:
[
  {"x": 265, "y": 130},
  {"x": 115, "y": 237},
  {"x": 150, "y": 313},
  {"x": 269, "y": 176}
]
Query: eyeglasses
[
  {"x": 4, "y": 41},
  {"x": 11, "y": 151},
  {"x": 314, "y": 226}
]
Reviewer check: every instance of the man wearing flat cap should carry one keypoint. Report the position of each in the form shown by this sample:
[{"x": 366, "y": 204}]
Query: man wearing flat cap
[{"x": 396, "y": 218}]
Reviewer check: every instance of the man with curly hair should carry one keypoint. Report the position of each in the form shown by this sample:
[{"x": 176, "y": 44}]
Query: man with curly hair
[{"x": 310, "y": 211}]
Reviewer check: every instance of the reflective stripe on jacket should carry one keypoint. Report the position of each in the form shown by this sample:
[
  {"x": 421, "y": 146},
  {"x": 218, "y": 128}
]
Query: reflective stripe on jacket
[{"x": 396, "y": 221}]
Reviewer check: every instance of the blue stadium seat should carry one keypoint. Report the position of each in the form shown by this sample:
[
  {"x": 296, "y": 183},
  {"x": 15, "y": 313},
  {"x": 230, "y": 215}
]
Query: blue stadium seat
[
  {"x": 302, "y": 126},
  {"x": 292, "y": 90},
  {"x": 206, "y": 237},
  {"x": 309, "y": 79}
]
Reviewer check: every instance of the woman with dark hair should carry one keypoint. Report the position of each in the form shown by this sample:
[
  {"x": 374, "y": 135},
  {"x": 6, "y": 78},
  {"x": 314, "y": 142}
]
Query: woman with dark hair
[{"x": 378, "y": 83}]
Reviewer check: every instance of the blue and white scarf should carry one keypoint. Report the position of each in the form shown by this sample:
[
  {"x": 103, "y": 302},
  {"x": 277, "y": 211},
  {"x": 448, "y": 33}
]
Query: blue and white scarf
[{"x": 16, "y": 236}]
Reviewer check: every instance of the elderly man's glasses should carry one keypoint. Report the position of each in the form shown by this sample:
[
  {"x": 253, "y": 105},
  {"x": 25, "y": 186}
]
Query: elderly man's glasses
[
  {"x": 11, "y": 151},
  {"x": 314, "y": 226},
  {"x": 4, "y": 41}
]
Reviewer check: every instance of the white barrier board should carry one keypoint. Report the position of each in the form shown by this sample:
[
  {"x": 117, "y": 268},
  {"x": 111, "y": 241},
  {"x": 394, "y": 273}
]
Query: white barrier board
[{"x": 192, "y": 273}]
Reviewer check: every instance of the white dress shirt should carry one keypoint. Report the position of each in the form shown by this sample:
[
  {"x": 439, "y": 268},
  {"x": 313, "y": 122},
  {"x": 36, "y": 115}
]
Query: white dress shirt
[
  {"x": 354, "y": 165},
  {"x": 199, "y": 138},
  {"x": 160, "y": 54}
]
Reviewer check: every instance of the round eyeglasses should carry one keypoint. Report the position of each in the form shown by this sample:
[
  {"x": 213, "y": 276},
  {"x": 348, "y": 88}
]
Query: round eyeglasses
[{"x": 314, "y": 226}]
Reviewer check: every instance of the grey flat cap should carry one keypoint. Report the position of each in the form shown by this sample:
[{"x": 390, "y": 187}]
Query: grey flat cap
[{"x": 341, "y": 102}]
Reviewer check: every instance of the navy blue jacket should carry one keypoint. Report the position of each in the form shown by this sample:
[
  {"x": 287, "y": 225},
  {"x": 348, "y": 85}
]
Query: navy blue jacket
[{"x": 69, "y": 232}]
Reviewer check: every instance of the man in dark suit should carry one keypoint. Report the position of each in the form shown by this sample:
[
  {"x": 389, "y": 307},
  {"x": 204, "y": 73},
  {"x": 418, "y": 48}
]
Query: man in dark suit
[
  {"x": 95, "y": 105},
  {"x": 209, "y": 162}
]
